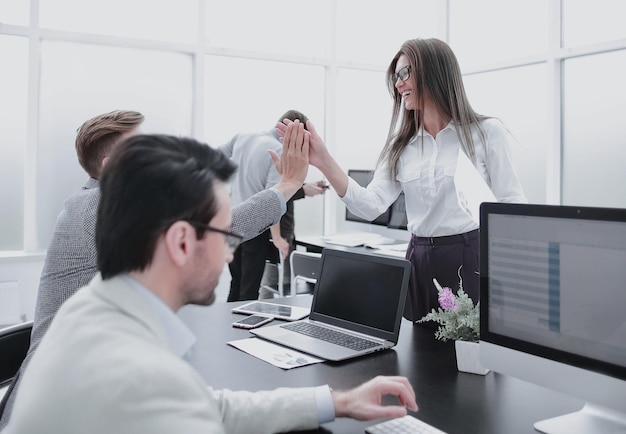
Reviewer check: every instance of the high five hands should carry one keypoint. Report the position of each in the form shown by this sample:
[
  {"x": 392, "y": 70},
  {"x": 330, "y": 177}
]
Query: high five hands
[
  {"x": 295, "y": 154},
  {"x": 318, "y": 153}
]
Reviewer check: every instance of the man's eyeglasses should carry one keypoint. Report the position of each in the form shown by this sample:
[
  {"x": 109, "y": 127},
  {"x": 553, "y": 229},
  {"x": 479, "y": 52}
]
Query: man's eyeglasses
[
  {"x": 403, "y": 74},
  {"x": 233, "y": 239}
]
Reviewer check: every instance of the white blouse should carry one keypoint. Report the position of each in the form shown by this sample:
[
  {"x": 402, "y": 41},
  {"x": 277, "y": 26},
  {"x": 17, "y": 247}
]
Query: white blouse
[{"x": 426, "y": 176}]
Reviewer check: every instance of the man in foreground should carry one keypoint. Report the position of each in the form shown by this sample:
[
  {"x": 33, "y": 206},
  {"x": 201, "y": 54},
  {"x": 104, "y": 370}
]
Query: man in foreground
[
  {"x": 113, "y": 359},
  {"x": 71, "y": 260}
]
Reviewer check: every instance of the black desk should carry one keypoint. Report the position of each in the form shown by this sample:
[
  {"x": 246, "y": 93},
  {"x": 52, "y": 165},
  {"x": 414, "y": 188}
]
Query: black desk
[{"x": 452, "y": 401}]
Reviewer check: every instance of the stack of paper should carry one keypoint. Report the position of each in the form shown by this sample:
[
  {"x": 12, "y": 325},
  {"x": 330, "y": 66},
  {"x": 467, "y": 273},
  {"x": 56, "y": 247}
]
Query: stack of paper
[
  {"x": 396, "y": 250},
  {"x": 358, "y": 239}
]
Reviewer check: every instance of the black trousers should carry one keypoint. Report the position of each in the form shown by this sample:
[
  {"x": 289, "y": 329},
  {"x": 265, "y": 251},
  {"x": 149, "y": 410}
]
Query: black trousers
[
  {"x": 248, "y": 265},
  {"x": 443, "y": 258}
]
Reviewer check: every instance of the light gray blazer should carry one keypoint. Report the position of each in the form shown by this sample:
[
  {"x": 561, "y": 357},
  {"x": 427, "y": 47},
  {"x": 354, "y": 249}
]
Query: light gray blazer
[
  {"x": 105, "y": 367},
  {"x": 71, "y": 259}
]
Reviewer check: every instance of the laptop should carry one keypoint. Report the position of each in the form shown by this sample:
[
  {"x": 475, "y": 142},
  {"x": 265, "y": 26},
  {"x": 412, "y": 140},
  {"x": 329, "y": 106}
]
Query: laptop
[{"x": 358, "y": 298}]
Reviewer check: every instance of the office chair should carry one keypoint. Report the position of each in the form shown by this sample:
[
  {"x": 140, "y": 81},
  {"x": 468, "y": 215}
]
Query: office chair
[
  {"x": 305, "y": 268},
  {"x": 273, "y": 278},
  {"x": 14, "y": 343}
]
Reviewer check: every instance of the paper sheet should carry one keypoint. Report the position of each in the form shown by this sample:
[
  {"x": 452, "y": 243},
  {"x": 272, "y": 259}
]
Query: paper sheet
[
  {"x": 277, "y": 355},
  {"x": 395, "y": 250}
]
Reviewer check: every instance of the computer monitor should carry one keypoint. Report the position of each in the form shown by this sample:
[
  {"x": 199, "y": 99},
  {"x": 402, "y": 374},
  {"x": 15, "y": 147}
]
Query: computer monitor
[
  {"x": 397, "y": 214},
  {"x": 363, "y": 178},
  {"x": 553, "y": 306}
]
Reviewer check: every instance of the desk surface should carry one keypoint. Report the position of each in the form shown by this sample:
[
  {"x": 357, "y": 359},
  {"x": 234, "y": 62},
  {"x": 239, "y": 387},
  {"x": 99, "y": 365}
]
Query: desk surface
[
  {"x": 450, "y": 400},
  {"x": 316, "y": 244}
]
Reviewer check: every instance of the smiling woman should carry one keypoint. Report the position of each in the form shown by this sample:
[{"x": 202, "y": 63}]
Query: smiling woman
[{"x": 433, "y": 132}]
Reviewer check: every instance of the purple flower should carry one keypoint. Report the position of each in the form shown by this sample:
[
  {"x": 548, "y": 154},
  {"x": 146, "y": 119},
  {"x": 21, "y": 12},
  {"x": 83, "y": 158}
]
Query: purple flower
[{"x": 447, "y": 300}]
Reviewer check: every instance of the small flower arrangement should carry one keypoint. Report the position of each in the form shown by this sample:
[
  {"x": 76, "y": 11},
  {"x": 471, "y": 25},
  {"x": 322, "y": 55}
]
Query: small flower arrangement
[{"x": 458, "y": 317}]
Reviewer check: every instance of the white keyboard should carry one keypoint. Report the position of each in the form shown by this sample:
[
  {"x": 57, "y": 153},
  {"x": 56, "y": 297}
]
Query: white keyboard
[{"x": 403, "y": 425}]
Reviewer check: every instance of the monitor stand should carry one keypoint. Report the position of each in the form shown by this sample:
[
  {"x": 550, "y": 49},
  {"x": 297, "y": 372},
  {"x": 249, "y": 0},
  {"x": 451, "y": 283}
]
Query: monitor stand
[{"x": 589, "y": 419}]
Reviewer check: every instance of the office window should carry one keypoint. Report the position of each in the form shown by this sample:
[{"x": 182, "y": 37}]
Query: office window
[
  {"x": 163, "y": 20},
  {"x": 299, "y": 28},
  {"x": 79, "y": 81},
  {"x": 594, "y": 145},
  {"x": 363, "y": 115},
  {"x": 13, "y": 88},
  {"x": 520, "y": 98},
  {"x": 488, "y": 31},
  {"x": 14, "y": 12},
  {"x": 373, "y": 31},
  {"x": 586, "y": 22},
  {"x": 250, "y": 95},
  {"x": 245, "y": 95}
]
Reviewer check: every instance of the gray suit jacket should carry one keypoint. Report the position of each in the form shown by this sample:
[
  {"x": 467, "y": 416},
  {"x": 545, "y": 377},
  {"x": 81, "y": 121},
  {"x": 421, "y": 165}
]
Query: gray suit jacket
[
  {"x": 105, "y": 366},
  {"x": 71, "y": 260}
]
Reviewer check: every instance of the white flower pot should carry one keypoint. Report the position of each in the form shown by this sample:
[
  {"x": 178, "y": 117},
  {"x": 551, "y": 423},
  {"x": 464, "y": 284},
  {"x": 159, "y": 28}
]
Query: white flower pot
[{"x": 468, "y": 359}]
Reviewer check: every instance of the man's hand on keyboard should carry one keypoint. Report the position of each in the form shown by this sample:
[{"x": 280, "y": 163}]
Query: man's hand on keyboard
[{"x": 364, "y": 402}]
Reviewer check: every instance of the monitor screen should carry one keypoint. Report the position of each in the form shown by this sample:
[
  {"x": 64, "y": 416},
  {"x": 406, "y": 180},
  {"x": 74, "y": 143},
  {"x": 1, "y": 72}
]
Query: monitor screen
[
  {"x": 361, "y": 289},
  {"x": 397, "y": 214},
  {"x": 553, "y": 303},
  {"x": 363, "y": 178}
]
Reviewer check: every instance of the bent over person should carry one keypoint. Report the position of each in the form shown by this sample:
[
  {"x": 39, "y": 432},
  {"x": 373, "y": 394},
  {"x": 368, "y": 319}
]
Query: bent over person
[{"x": 113, "y": 359}]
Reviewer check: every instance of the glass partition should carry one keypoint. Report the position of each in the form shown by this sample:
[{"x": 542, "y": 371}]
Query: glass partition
[
  {"x": 373, "y": 31},
  {"x": 87, "y": 80},
  {"x": 594, "y": 145},
  {"x": 487, "y": 31},
  {"x": 270, "y": 26},
  {"x": 520, "y": 98},
  {"x": 14, "y": 12},
  {"x": 250, "y": 95},
  {"x": 586, "y": 22},
  {"x": 14, "y": 91},
  {"x": 163, "y": 20}
]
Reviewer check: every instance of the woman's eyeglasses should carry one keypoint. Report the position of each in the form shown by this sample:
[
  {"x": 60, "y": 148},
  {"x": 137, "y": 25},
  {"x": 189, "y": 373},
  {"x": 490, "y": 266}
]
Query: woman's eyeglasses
[
  {"x": 233, "y": 239},
  {"x": 403, "y": 74}
]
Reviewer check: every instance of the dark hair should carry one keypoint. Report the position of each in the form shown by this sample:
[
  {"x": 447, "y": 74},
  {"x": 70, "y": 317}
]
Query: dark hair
[
  {"x": 150, "y": 182},
  {"x": 434, "y": 69},
  {"x": 292, "y": 115},
  {"x": 96, "y": 137}
]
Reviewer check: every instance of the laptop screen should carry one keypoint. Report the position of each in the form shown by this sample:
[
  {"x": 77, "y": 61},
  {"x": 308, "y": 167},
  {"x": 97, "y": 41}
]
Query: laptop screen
[{"x": 363, "y": 292}]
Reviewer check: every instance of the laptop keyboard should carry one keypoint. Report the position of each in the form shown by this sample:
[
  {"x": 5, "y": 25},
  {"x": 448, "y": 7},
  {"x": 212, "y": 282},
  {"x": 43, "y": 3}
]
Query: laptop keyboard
[{"x": 345, "y": 340}]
